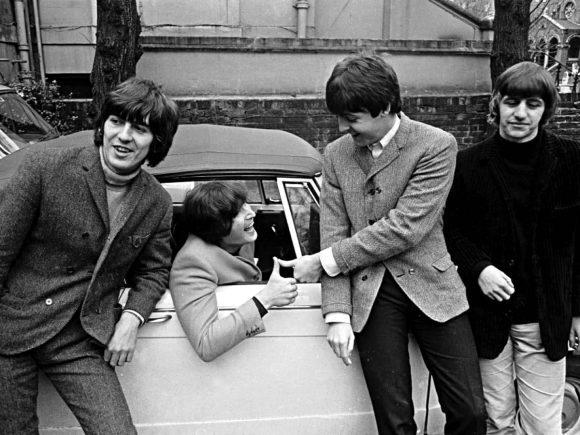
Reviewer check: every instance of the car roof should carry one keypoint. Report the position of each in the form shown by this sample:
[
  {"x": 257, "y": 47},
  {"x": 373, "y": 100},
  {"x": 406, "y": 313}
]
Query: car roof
[
  {"x": 204, "y": 150},
  {"x": 209, "y": 150}
]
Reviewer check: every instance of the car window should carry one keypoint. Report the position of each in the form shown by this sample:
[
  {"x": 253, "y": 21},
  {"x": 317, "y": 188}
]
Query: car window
[
  {"x": 271, "y": 223},
  {"x": 22, "y": 122},
  {"x": 305, "y": 214}
]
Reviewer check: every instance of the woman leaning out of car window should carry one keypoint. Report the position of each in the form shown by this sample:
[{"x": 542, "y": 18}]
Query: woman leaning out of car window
[{"x": 220, "y": 250}]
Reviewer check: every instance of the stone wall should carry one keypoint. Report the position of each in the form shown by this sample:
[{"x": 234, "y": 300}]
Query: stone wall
[{"x": 464, "y": 116}]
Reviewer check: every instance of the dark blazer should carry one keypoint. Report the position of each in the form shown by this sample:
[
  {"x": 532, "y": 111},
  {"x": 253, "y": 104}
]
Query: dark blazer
[
  {"x": 59, "y": 255},
  {"x": 479, "y": 229},
  {"x": 199, "y": 268},
  {"x": 387, "y": 215}
]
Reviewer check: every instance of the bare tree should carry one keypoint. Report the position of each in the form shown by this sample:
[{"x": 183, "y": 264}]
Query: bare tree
[
  {"x": 118, "y": 47},
  {"x": 511, "y": 27}
]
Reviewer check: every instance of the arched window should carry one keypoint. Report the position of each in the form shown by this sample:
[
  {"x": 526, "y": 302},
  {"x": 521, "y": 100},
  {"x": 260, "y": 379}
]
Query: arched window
[{"x": 574, "y": 49}]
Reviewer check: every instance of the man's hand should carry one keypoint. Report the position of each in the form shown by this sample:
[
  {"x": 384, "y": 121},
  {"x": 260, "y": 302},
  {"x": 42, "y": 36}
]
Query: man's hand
[
  {"x": 341, "y": 339},
  {"x": 495, "y": 284},
  {"x": 122, "y": 344},
  {"x": 574, "y": 337},
  {"x": 279, "y": 291},
  {"x": 306, "y": 268}
]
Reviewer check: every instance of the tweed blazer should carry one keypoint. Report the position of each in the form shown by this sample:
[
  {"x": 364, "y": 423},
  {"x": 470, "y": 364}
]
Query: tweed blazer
[
  {"x": 198, "y": 269},
  {"x": 59, "y": 254},
  {"x": 386, "y": 215},
  {"x": 480, "y": 231}
]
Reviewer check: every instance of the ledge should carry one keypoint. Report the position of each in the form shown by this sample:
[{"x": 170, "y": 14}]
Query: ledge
[{"x": 312, "y": 45}]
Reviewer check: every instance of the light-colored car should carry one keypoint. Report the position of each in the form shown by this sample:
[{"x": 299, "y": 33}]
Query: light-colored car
[{"x": 285, "y": 381}]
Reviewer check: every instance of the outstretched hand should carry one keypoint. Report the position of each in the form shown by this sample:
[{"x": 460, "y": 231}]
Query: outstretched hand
[
  {"x": 279, "y": 291},
  {"x": 306, "y": 268}
]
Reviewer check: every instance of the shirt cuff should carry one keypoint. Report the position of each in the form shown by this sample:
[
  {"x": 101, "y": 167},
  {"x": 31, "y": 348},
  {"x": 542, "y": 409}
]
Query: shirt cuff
[
  {"x": 136, "y": 314},
  {"x": 337, "y": 318},
  {"x": 328, "y": 262}
]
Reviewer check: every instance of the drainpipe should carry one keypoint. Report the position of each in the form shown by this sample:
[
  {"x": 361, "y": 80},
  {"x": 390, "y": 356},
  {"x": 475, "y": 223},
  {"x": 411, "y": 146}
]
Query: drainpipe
[
  {"x": 302, "y": 7},
  {"x": 39, "y": 42},
  {"x": 23, "y": 48}
]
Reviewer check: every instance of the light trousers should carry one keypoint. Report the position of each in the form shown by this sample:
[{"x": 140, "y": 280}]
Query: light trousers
[{"x": 523, "y": 389}]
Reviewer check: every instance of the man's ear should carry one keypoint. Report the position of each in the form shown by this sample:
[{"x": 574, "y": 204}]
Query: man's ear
[{"x": 386, "y": 111}]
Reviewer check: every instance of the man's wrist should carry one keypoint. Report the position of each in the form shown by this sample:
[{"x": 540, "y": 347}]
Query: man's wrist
[{"x": 135, "y": 315}]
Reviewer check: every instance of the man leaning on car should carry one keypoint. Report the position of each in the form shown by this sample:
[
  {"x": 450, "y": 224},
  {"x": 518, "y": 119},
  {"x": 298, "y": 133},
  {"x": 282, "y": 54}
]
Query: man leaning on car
[
  {"x": 388, "y": 271},
  {"x": 76, "y": 222}
]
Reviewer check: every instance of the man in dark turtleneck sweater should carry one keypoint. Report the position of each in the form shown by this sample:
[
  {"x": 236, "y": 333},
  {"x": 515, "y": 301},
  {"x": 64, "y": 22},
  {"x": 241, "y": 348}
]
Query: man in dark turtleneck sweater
[{"x": 512, "y": 225}]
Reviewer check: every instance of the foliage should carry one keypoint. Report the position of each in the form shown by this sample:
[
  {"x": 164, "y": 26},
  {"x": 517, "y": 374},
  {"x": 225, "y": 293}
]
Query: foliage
[{"x": 48, "y": 101}]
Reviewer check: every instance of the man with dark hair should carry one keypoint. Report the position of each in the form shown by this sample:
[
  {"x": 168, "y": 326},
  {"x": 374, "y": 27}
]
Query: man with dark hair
[
  {"x": 78, "y": 222},
  {"x": 512, "y": 224},
  {"x": 387, "y": 269}
]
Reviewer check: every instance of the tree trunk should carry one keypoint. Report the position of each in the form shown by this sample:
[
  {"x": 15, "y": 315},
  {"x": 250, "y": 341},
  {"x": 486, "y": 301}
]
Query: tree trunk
[
  {"x": 510, "y": 35},
  {"x": 118, "y": 48}
]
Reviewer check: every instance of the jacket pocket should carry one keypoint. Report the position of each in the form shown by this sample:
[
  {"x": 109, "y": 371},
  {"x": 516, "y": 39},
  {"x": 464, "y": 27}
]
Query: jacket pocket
[
  {"x": 443, "y": 263},
  {"x": 137, "y": 241}
]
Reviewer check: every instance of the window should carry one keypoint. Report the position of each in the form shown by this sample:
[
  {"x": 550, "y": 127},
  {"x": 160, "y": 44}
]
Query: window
[
  {"x": 304, "y": 212},
  {"x": 271, "y": 223}
]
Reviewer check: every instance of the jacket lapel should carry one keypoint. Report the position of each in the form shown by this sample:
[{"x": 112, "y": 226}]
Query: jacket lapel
[
  {"x": 392, "y": 150},
  {"x": 129, "y": 205},
  {"x": 95, "y": 180}
]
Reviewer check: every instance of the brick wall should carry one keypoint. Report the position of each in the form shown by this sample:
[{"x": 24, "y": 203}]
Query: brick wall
[{"x": 464, "y": 116}]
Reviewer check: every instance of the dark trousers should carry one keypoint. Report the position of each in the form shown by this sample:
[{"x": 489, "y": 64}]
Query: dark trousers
[
  {"x": 449, "y": 353},
  {"x": 74, "y": 363}
]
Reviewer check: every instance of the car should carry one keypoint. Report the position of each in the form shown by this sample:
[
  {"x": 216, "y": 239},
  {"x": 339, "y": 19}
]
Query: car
[
  {"x": 20, "y": 124},
  {"x": 284, "y": 381}
]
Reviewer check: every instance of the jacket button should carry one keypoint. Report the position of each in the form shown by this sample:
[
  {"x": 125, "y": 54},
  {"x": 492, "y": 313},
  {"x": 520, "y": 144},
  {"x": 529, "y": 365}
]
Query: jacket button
[
  {"x": 364, "y": 278},
  {"x": 411, "y": 271},
  {"x": 511, "y": 263},
  {"x": 48, "y": 302}
]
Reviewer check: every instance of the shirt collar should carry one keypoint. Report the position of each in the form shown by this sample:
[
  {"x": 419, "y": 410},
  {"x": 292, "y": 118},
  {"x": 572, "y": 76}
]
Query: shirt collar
[{"x": 390, "y": 134}]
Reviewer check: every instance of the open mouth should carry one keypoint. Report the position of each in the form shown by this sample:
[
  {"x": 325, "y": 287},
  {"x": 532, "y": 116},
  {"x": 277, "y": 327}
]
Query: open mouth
[
  {"x": 122, "y": 149},
  {"x": 249, "y": 227}
]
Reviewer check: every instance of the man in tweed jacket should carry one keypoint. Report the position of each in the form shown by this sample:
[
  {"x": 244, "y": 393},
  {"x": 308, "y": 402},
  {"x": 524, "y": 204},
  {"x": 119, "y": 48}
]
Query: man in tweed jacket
[
  {"x": 76, "y": 223},
  {"x": 387, "y": 269}
]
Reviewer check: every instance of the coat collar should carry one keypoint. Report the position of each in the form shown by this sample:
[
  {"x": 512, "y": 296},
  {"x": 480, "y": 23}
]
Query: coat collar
[{"x": 390, "y": 151}]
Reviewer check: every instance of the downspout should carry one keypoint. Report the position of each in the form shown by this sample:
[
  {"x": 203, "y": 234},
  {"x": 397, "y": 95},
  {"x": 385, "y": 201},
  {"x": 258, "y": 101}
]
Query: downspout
[
  {"x": 302, "y": 7},
  {"x": 39, "y": 42},
  {"x": 23, "y": 48}
]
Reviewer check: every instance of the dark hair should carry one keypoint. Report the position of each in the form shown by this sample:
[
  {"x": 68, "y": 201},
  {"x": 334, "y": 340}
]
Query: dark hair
[
  {"x": 363, "y": 82},
  {"x": 137, "y": 100},
  {"x": 525, "y": 80},
  {"x": 210, "y": 208}
]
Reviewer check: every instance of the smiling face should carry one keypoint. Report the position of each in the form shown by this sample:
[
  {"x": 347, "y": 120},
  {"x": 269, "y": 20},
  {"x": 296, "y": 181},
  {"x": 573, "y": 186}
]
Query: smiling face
[
  {"x": 519, "y": 118},
  {"x": 125, "y": 144},
  {"x": 242, "y": 231},
  {"x": 364, "y": 128}
]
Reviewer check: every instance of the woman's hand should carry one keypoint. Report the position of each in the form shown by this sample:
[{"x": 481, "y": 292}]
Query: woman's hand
[{"x": 279, "y": 291}]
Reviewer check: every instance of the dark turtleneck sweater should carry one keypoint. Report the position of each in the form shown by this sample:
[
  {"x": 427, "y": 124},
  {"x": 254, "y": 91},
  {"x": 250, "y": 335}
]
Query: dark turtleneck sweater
[{"x": 518, "y": 167}]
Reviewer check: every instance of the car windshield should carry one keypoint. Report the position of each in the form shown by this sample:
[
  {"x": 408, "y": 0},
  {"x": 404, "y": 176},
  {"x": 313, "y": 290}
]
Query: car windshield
[{"x": 22, "y": 123}]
